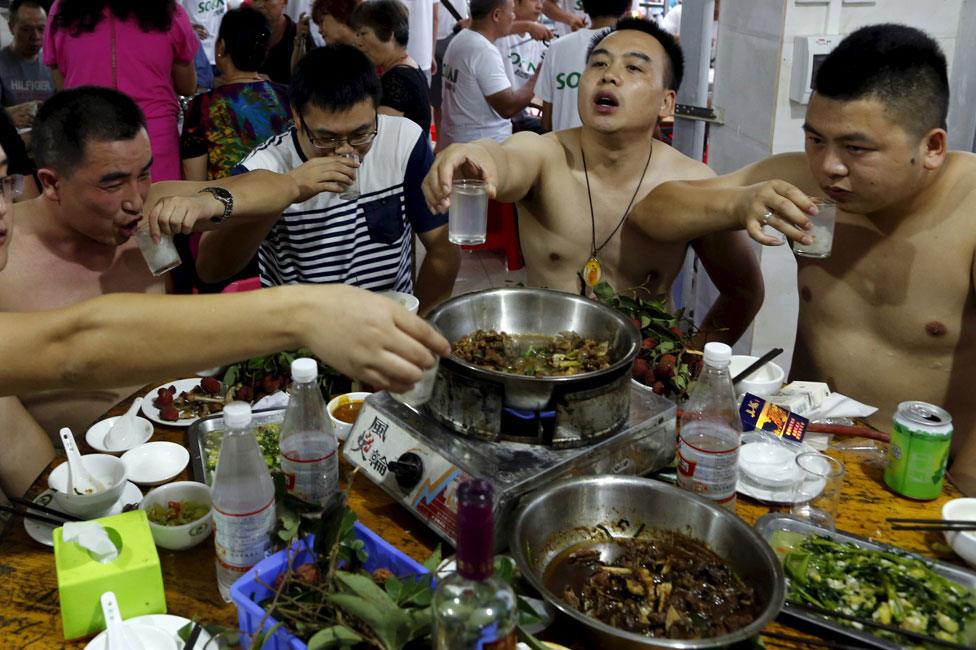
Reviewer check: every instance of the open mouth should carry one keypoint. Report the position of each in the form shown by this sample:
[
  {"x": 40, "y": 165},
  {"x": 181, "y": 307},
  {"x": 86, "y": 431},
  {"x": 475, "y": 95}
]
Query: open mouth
[
  {"x": 606, "y": 99},
  {"x": 130, "y": 228}
]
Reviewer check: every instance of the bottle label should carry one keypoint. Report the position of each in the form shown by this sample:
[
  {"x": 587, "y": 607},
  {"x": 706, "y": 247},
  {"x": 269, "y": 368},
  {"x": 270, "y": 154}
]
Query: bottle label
[
  {"x": 242, "y": 540},
  {"x": 313, "y": 480},
  {"x": 708, "y": 460}
]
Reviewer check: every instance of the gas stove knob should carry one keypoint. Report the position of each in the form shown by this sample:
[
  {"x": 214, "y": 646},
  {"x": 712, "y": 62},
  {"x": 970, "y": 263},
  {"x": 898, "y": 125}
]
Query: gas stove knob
[{"x": 408, "y": 470}]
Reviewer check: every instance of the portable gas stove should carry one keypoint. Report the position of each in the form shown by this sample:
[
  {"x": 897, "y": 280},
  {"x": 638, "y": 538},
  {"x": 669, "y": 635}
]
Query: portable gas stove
[{"x": 420, "y": 461}]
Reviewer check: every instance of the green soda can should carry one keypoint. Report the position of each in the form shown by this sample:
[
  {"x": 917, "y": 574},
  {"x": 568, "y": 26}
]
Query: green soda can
[{"x": 919, "y": 450}]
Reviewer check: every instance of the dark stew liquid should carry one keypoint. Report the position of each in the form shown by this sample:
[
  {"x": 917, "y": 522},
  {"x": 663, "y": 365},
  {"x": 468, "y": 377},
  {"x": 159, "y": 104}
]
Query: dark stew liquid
[
  {"x": 347, "y": 412},
  {"x": 669, "y": 586}
]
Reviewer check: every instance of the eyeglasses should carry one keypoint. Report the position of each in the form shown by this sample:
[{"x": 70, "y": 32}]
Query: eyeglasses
[
  {"x": 331, "y": 144},
  {"x": 12, "y": 187}
]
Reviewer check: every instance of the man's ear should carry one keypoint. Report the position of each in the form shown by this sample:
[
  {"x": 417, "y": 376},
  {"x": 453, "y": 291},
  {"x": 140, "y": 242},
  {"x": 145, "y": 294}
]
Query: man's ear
[
  {"x": 668, "y": 103},
  {"x": 50, "y": 184},
  {"x": 935, "y": 148}
]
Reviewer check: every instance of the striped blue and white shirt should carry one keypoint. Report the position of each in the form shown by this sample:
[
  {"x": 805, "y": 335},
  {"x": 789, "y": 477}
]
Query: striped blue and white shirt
[{"x": 366, "y": 242}]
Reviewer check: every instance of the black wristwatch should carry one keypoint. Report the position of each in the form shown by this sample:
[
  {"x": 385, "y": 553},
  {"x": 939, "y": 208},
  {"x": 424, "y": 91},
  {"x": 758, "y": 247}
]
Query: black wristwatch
[{"x": 224, "y": 197}]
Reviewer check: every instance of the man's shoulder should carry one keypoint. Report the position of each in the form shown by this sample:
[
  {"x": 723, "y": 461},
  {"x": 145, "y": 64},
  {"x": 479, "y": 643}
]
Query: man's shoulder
[
  {"x": 678, "y": 166},
  {"x": 277, "y": 154}
]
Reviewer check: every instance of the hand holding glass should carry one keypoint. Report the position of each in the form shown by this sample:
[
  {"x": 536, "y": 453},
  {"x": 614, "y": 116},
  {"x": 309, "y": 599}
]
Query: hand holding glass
[
  {"x": 161, "y": 257},
  {"x": 822, "y": 232}
]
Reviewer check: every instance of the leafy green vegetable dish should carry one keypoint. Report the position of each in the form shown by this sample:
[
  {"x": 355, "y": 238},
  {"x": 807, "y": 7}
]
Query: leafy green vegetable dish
[
  {"x": 889, "y": 588},
  {"x": 267, "y": 436}
]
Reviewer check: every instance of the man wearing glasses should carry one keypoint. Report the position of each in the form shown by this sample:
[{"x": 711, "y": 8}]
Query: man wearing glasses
[{"x": 360, "y": 230}]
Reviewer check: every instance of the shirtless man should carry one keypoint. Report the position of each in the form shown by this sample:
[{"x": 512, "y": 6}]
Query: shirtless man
[
  {"x": 74, "y": 242},
  {"x": 123, "y": 338},
  {"x": 889, "y": 316},
  {"x": 630, "y": 80}
]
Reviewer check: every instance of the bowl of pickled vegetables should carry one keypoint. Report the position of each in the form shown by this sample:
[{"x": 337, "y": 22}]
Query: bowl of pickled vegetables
[{"x": 180, "y": 514}]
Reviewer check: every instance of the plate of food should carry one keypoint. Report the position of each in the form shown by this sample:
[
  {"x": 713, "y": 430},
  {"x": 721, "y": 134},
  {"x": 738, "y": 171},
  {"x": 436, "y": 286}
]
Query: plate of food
[
  {"x": 182, "y": 402},
  {"x": 864, "y": 580}
]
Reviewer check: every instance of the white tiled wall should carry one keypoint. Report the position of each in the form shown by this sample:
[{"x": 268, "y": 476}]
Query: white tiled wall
[{"x": 752, "y": 83}]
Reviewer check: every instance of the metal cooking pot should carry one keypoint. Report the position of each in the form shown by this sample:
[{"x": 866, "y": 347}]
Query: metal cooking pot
[
  {"x": 567, "y": 513},
  {"x": 536, "y": 311}
]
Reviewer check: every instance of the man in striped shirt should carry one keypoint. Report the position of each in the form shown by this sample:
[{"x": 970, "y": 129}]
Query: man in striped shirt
[{"x": 364, "y": 240}]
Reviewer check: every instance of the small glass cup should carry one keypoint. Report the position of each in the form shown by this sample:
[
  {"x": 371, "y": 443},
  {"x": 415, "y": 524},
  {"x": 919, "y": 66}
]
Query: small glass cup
[
  {"x": 822, "y": 232},
  {"x": 817, "y": 494},
  {"x": 161, "y": 257},
  {"x": 467, "y": 223},
  {"x": 422, "y": 391},
  {"x": 352, "y": 192}
]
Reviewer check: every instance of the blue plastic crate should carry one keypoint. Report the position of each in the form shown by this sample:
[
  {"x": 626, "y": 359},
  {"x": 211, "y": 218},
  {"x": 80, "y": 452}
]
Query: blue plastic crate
[{"x": 247, "y": 592}]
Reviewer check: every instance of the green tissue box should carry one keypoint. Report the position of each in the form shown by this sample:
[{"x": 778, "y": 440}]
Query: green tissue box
[{"x": 134, "y": 576}]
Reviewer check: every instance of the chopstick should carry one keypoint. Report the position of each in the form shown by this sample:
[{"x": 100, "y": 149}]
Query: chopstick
[
  {"x": 903, "y": 523},
  {"x": 29, "y": 515},
  {"x": 867, "y": 622},
  {"x": 761, "y": 361},
  {"x": 51, "y": 511},
  {"x": 805, "y": 641},
  {"x": 192, "y": 639}
]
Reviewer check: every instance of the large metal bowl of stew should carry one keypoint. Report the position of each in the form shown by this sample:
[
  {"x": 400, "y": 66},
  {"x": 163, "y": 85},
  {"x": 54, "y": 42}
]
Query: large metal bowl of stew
[
  {"x": 527, "y": 312},
  {"x": 629, "y": 550}
]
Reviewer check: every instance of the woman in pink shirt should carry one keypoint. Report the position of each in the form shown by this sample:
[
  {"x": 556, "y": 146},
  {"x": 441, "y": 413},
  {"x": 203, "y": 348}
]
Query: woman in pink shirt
[{"x": 145, "y": 49}]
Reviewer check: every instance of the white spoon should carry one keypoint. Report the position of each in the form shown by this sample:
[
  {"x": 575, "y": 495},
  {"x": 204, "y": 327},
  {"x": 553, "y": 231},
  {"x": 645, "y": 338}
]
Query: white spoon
[
  {"x": 117, "y": 638},
  {"x": 80, "y": 480},
  {"x": 124, "y": 432}
]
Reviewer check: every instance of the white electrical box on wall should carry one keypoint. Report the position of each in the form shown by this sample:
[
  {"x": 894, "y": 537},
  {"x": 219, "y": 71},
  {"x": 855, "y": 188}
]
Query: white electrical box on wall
[{"x": 808, "y": 53}]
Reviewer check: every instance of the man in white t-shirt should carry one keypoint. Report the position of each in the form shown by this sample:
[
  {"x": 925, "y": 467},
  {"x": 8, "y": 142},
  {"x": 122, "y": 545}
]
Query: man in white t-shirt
[
  {"x": 423, "y": 31},
  {"x": 478, "y": 98},
  {"x": 523, "y": 56},
  {"x": 205, "y": 15},
  {"x": 565, "y": 60}
]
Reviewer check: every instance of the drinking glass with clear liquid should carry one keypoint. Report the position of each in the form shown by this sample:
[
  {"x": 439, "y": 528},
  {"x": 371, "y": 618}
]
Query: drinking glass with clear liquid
[
  {"x": 468, "y": 215},
  {"x": 352, "y": 192},
  {"x": 161, "y": 257},
  {"x": 821, "y": 232}
]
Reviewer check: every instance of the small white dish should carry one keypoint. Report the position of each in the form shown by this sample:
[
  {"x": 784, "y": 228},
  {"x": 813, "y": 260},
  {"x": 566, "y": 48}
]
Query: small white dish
[
  {"x": 769, "y": 463},
  {"x": 150, "y": 411},
  {"x": 155, "y": 463},
  {"x": 95, "y": 436},
  {"x": 783, "y": 494},
  {"x": 165, "y": 622},
  {"x": 179, "y": 538},
  {"x": 44, "y": 533},
  {"x": 341, "y": 428},
  {"x": 406, "y": 300},
  {"x": 763, "y": 382},
  {"x": 962, "y": 542}
]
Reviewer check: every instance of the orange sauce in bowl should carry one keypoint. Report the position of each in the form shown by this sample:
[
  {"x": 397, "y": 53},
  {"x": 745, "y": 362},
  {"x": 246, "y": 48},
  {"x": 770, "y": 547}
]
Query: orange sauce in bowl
[{"x": 348, "y": 412}]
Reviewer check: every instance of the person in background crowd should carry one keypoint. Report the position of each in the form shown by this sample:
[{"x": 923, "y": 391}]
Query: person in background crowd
[
  {"x": 144, "y": 49},
  {"x": 112, "y": 340},
  {"x": 447, "y": 27},
  {"x": 423, "y": 16},
  {"x": 205, "y": 16},
  {"x": 284, "y": 40},
  {"x": 25, "y": 82},
  {"x": 478, "y": 99},
  {"x": 523, "y": 56},
  {"x": 568, "y": 15},
  {"x": 889, "y": 316},
  {"x": 332, "y": 19},
  {"x": 559, "y": 81},
  {"x": 365, "y": 239},
  {"x": 575, "y": 188},
  {"x": 382, "y": 30},
  {"x": 222, "y": 126}
]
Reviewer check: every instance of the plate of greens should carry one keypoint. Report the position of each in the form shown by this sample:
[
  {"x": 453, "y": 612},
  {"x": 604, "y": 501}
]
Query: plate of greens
[{"x": 861, "y": 578}]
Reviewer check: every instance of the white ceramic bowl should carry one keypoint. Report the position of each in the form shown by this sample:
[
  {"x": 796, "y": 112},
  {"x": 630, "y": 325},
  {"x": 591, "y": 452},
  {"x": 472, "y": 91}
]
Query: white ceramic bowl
[
  {"x": 103, "y": 467},
  {"x": 763, "y": 382},
  {"x": 95, "y": 436},
  {"x": 406, "y": 300},
  {"x": 964, "y": 542},
  {"x": 179, "y": 538},
  {"x": 769, "y": 463},
  {"x": 341, "y": 428},
  {"x": 155, "y": 462}
]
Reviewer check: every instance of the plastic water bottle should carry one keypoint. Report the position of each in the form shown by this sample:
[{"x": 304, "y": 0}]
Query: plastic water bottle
[
  {"x": 711, "y": 432},
  {"x": 243, "y": 499},
  {"x": 308, "y": 444}
]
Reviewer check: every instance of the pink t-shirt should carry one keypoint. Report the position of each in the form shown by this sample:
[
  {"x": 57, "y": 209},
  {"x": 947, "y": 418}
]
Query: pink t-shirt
[{"x": 144, "y": 67}]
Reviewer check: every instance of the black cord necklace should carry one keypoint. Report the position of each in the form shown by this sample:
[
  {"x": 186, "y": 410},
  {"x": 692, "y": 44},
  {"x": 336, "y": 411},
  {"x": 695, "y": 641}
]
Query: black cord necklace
[{"x": 592, "y": 271}]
